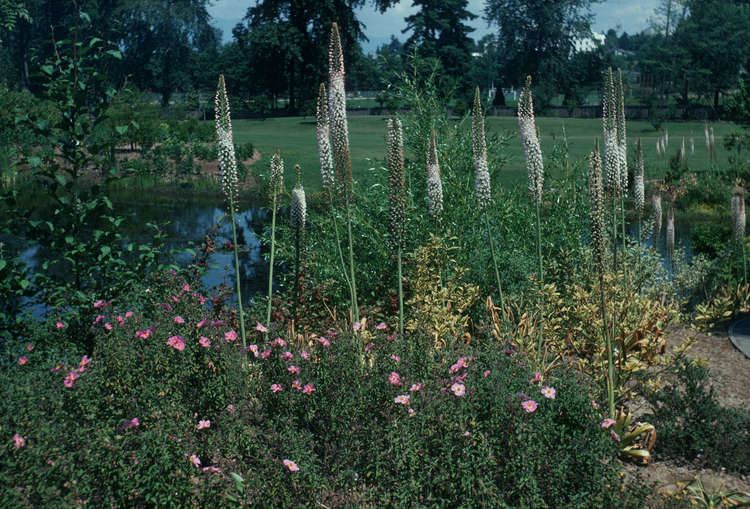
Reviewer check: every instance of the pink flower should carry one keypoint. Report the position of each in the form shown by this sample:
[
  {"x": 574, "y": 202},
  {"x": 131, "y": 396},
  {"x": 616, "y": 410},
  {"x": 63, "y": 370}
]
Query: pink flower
[
  {"x": 19, "y": 441},
  {"x": 131, "y": 423},
  {"x": 108, "y": 326},
  {"x": 85, "y": 360},
  {"x": 536, "y": 378},
  {"x": 357, "y": 326},
  {"x": 460, "y": 364},
  {"x": 278, "y": 342},
  {"x": 211, "y": 470},
  {"x": 607, "y": 423},
  {"x": 402, "y": 399},
  {"x": 231, "y": 409},
  {"x": 394, "y": 378},
  {"x": 395, "y": 358},
  {"x": 59, "y": 325},
  {"x": 254, "y": 349},
  {"x": 304, "y": 354},
  {"x": 29, "y": 347},
  {"x": 195, "y": 460},
  {"x": 201, "y": 324},
  {"x": 129, "y": 314},
  {"x": 203, "y": 424},
  {"x": 291, "y": 466},
  {"x": 186, "y": 287},
  {"x": 230, "y": 336},
  {"x": 98, "y": 319},
  {"x": 416, "y": 387},
  {"x": 57, "y": 367},
  {"x": 391, "y": 337},
  {"x": 22, "y": 360},
  {"x": 260, "y": 327},
  {"x": 293, "y": 370},
  {"x": 276, "y": 388},
  {"x": 204, "y": 342},
  {"x": 179, "y": 320},
  {"x": 175, "y": 299},
  {"x": 411, "y": 412},
  {"x": 100, "y": 304},
  {"x": 467, "y": 433},
  {"x": 120, "y": 320},
  {"x": 549, "y": 392},
  {"x": 529, "y": 405},
  {"x": 176, "y": 342},
  {"x": 486, "y": 373},
  {"x": 324, "y": 342},
  {"x": 70, "y": 379},
  {"x": 143, "y": 334},
  {"x": 297, "y": 385},
  {"x": 458, "y": 389},
  {"x": 381, "y": 326},
  {"x": 287, "y": 356},
  {"x": 308, "y": 388},
  {"x": 265, "y": 354}
]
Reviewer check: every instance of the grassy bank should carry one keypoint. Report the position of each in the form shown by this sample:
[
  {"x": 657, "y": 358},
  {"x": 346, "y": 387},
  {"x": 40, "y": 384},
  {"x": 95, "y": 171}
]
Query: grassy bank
[{"x": 295, "y": 137}]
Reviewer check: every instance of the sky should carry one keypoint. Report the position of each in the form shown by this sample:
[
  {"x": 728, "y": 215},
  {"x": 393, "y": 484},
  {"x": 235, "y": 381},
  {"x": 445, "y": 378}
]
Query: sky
[{"x": 624, "y": 15}]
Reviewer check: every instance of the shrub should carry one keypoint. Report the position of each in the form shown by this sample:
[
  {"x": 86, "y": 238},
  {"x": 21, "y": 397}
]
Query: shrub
[
  {"x": 694, "y": 427},
  {"x": 404, "y": 426}
]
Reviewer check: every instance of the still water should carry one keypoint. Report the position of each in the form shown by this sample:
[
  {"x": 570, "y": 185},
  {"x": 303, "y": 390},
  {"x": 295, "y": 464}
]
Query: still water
[{"x": 186, "y": 224}]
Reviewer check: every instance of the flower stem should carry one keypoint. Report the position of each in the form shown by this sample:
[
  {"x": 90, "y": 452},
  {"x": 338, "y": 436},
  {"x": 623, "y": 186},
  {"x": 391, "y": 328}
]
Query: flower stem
[
  {"x": 539, "y": 240},
  {"x": 270, "y": 266},
  {"x": 338, "y": 246},
  {"x": 352, "y": 280},
  {"x": 494, "y": 262},
  {"x": 608, "y": 342},
  {"x": 237, "y": 276},
  {"x": 400, "y": 297}
]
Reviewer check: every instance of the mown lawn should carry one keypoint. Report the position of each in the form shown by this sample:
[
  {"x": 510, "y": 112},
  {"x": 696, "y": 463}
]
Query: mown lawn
[{"x": 295, "y": 137}]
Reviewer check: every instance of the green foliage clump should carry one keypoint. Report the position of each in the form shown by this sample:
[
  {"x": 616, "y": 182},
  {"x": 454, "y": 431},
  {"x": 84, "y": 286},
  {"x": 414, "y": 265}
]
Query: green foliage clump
[
  {"x": 694, "y": 427},
  {"x": 404, "y": 428}
]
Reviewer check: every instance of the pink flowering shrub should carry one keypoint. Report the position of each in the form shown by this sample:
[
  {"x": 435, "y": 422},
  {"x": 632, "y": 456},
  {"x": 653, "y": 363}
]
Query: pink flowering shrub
[{"x": 146, "y": 419}]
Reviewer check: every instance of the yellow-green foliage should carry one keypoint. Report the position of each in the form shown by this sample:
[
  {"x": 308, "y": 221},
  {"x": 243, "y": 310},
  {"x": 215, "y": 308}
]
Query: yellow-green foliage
[
  {"x": 727, "y": 303},
  {"x": 441, "y": 300}
]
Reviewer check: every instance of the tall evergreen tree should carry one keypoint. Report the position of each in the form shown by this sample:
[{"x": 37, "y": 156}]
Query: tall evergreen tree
[{"x": 440, "y": 31}]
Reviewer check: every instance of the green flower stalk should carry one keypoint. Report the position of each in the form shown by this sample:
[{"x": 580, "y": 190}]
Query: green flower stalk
[
  {"x": 534, "y": 163},
  {"x": 670, "y": 234},
  {"x": 482, "y": 189},
  {"x": 639, "y": 189},
  {"x": 276, "y": 187},
  {"x": 612, "y": 181},
  {"x": 599, "y": 249},
  {"x": 397, "y": 203},
  {"x": 657, "y": 214},
  {"x": 622, "y": 150},
  {"x": 339, "y": 135},
  {"x": 298, "y": 219},
  {"x": 434, "y": 183},
  {"x": 739, "y": 220},
  {"x": 327, "y": 175},
  {"x": 229, "y": 183}
]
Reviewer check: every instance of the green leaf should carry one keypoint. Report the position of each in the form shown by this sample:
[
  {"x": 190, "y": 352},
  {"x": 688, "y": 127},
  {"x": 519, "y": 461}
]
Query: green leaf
[
  {"x": 121, "y": 129},
  {"x": 24, "y": 283},
  {"x": 115, "y": 54},
  {"x": 3, "y": 263},
  {"x": 48, "y": 70},
  {"x": 106, "y": 250}
]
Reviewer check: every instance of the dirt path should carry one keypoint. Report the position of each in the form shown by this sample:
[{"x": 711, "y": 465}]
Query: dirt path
[
  {"x": 730, "y": 369},
  {"x": 730, "y": 374}
]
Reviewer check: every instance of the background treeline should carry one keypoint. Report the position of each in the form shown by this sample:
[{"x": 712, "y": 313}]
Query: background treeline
[{"x": 694, "y": 52}]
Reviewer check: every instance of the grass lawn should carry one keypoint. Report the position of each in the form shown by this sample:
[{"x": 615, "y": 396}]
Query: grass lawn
[{"x": 295, "y": 137}]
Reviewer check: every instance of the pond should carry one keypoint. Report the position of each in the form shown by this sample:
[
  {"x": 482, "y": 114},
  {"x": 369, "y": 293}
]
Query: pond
[{"x": 186, "y": 223}]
